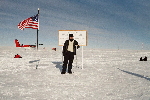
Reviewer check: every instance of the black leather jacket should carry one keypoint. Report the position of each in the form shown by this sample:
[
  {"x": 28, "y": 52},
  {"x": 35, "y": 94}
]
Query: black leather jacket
[{"x": 65, "y": 47}]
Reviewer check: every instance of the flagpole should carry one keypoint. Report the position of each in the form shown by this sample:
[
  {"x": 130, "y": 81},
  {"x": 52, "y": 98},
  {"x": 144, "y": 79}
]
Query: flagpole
[{"x": 38, "y": 27}]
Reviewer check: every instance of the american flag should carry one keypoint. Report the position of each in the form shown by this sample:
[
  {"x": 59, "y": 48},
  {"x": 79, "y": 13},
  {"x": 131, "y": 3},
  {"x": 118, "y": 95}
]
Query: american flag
[{"x": 31, "y": 22}]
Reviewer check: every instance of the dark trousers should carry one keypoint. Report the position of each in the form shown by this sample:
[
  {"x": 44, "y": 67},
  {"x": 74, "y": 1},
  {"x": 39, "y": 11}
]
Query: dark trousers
[{"x": 69, "y": 56}]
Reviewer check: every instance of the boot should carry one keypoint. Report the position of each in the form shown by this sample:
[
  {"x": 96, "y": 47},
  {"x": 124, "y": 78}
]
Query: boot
[
  {"x": 69, "y": 71},
  {"x": 63, "y": 71}
]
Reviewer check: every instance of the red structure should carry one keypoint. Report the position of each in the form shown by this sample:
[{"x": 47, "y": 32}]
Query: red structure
[
  {"x": 17, "y": 56},
  {"x": 18, "y": 44},
  {"x": 54, "y": 49}
]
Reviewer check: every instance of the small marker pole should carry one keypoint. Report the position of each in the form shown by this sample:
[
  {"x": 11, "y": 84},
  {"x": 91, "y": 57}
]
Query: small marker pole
[
  {"x": 62, "y": 56},
  {"x": 82, "y": 57},
  {"x": 76, "y": 56}
]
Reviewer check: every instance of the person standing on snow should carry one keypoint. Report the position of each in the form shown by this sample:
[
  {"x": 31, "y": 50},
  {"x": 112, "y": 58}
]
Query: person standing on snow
[{"x": 69, "y": 50}]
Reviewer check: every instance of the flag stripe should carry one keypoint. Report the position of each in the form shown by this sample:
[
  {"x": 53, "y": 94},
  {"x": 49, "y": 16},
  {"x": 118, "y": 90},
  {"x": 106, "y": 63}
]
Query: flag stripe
[{"x": 31, "y": 22}]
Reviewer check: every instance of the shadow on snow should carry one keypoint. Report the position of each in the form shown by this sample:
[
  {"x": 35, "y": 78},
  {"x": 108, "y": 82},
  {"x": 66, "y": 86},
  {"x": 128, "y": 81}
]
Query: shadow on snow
[
  {"x": 34, "y": 61},
  {"x": 138, "y": 75},
  {"x": 58, "y": 65}
]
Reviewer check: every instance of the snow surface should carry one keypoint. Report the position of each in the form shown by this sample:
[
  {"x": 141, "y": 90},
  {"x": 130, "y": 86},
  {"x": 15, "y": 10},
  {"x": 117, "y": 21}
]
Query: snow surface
[{"x": 106, "y": 75}]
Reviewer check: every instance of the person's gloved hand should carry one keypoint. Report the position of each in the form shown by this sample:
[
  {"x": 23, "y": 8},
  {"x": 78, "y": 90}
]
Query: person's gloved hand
[{"x": 64, "y": 53}]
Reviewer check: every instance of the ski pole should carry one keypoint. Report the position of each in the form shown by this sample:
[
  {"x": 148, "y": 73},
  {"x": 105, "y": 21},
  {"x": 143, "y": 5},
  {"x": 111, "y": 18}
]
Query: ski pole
[
  {"x": 76, "y": 55},
  {"x": 62, "y": 55}
]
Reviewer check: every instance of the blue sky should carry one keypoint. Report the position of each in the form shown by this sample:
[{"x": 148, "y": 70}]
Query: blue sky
[{"x": 110, "y": 23}]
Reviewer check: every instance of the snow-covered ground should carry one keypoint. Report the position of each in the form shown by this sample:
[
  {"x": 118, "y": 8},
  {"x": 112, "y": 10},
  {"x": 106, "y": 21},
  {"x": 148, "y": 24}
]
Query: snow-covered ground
[{"x": 106, "y": 75}]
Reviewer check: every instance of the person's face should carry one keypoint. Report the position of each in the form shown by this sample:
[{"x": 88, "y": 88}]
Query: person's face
[{"x": 71, "y": 37}]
